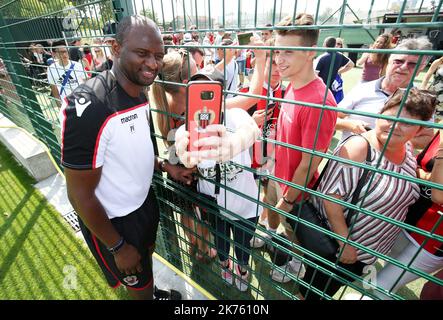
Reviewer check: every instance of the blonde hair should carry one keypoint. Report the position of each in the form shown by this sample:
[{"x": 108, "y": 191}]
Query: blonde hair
[{"x": 175, "y": 69}]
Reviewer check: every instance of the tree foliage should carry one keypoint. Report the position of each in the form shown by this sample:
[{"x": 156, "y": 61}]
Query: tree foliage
[{"x": 148, "y": 13}]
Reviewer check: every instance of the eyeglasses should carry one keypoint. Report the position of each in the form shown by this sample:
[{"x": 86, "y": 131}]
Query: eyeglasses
[
  {"x": 339, "y": 44},
  {"x": 410, "y": 64}
]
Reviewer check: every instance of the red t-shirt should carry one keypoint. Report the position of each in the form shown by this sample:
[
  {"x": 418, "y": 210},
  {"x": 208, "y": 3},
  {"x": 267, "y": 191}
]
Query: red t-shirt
[
  {"x": 249, "y": 59},
  {"x": 259, "y": 155},
  {"x": 297, "y": 125},
  {"x": 424, "y": 214}
]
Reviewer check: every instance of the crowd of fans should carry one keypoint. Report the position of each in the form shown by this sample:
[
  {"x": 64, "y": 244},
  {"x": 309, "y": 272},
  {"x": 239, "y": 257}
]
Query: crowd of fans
[{"x": 395, "y": 145}]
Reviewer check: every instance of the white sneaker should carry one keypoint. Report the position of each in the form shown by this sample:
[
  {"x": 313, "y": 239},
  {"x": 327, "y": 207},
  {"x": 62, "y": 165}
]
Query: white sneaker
[
  {"x": 226, "y": 273},
  {"x": 257, "y": 242},
  {"x": 294, "y": 266},
  {"x": 241, "y": 281},
  {"x": 264, "y": 223}
]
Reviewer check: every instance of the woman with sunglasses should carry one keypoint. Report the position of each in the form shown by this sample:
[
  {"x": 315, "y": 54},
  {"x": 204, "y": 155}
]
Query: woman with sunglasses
[{"x": 413, "y": 249}]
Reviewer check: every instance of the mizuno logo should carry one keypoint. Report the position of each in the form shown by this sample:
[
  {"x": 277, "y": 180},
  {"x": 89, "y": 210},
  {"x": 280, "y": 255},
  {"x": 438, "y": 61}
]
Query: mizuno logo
[{"x": 81, "y": 105}]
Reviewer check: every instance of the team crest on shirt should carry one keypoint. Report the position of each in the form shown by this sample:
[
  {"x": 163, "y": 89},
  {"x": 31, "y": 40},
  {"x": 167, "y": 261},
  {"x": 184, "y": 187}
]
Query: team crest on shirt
[
  {"x": 81, "y": 105},
  {"x": 131, "y": 280}
]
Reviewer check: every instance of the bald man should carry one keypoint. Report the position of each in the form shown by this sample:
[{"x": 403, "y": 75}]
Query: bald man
[{"x": 109, "y": 158}]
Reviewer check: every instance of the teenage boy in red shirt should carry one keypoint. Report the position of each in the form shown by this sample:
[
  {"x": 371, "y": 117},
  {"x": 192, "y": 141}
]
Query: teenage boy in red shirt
[{"x": 298, "y": 125}]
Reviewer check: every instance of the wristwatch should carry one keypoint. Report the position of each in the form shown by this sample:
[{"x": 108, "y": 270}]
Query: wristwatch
[
  {"x": 113, "y": 250},
  {"x": 163, "y": 165}
]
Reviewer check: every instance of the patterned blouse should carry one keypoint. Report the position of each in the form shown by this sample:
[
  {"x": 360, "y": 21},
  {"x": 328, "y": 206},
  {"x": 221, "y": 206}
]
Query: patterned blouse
[{"x": 387, "y": 196}]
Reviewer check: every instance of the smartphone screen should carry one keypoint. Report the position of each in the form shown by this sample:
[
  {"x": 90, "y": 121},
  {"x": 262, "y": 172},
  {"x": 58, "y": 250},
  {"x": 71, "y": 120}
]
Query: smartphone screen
[
  {"x": 244, "y": 38},
  {"x": 204, "y": 108}
]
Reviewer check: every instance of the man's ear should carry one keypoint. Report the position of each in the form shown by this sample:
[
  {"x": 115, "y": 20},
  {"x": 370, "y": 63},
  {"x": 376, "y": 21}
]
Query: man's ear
[
  {"x": 115, "y": 48},
  {"x": 312, "y": 54}
]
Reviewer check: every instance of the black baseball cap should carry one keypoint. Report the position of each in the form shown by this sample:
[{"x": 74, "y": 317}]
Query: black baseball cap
[{"x": 209, "y": 73}]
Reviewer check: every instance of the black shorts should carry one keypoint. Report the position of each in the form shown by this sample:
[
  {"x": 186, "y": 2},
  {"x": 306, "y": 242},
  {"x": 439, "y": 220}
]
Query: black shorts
[{"x": 139, "y": 229}]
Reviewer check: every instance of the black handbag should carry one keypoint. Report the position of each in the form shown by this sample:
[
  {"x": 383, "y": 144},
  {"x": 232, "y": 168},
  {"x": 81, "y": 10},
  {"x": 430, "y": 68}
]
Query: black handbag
[{"x": 314, "y": 240}]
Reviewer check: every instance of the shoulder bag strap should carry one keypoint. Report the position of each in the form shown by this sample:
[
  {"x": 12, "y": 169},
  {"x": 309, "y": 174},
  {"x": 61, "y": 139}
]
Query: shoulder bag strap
[
  {"x": 361, "y": 181},
  {"x": 360, "y": 184},
  {"x": 325, "y": 168}
]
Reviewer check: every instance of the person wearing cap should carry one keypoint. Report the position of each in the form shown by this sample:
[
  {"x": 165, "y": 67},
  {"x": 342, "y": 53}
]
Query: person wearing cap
[
  {"x": 64, "y": 75},
  {"x": 228, "y": 151},
  {"x": 187, "y": 38},
  {"x": 109, "y": 159}
]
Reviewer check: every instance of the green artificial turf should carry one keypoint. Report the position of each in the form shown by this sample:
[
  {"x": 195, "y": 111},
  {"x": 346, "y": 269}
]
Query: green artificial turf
[{"x": 40, "y": 256}]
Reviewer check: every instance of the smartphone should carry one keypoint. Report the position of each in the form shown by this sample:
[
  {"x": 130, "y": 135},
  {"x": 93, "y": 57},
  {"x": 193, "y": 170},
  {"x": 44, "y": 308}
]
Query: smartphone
[
  {"x": 204, "y": 108},
  {"x": 271, "y": 107},
  {"x": 244, "y": 38}
]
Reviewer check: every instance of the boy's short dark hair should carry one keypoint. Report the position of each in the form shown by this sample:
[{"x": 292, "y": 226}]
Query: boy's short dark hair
[
  {"x": 309, "y": 36},
  {"x": 330, "y": 42},
  {"x": 58, "y": 43}
]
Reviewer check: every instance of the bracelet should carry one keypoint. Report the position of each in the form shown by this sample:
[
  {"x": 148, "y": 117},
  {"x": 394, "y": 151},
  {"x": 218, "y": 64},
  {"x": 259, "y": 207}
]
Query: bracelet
[
  {"x": 287, "y": 201},
  {"x": 117, "y": 247}
]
